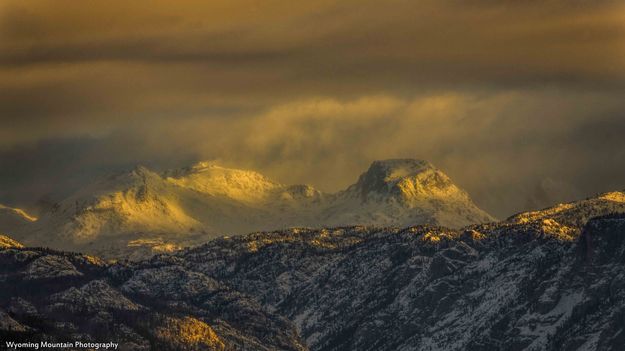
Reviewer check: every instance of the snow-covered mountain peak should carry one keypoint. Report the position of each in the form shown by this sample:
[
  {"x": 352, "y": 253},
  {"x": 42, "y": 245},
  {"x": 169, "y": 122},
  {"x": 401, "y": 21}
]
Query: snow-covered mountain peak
[
  {"x": 189, "y": 205},
  {"x": 405, "y": 191},
  {"x": 141, "y": 173},
  {"x": 398, "y": 168},
  {"x": 138, "y": 182},
  {"x": 383, "y": 173},
  {"x": 407, "y": 179},
  {"x": 209, "y": 178},
  {"x": 210, "y": 167},
  {"x": 198, "y": 167},
  {"x": 204, "y": 164}
]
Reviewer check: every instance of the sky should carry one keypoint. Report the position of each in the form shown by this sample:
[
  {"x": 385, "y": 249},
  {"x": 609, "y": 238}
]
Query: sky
[{"x": 521, "y": 103}]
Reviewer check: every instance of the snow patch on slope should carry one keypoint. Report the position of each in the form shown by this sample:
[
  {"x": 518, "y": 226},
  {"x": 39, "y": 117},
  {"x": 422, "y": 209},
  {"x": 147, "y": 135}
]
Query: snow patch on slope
[
  {"x": 7, "y": 243},
  {"x": 14, "y": 221}
]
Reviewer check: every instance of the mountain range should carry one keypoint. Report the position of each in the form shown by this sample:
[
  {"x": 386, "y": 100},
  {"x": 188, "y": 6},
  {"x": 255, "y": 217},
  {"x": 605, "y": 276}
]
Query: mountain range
[
  {"x": 141, "y": 212},
  {"x": 551, "y": 280}
]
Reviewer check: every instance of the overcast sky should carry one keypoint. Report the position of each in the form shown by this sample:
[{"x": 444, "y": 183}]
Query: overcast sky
[{"x": 522, "y": 103}]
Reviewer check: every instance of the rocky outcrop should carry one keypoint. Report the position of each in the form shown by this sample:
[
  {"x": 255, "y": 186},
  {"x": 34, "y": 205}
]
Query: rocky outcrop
[{"x": 57, "y": 296}]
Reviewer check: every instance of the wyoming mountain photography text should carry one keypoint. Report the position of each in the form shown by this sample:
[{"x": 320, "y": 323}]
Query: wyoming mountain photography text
[{"x": 60, "y": 345}]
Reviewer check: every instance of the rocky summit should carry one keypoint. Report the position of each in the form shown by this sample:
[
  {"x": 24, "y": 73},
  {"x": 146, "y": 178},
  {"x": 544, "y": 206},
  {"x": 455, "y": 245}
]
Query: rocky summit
[{"x": 544, "y": 280}]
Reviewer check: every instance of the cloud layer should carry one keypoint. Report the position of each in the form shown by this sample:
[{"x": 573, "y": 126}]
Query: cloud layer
[{"x": 520, "y": 102}]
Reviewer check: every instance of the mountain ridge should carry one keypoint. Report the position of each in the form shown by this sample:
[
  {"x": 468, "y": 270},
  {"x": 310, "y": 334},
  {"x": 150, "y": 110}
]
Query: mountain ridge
[
  {"x": 184, "y": 206},
  {"x": 514, "y": 285}
]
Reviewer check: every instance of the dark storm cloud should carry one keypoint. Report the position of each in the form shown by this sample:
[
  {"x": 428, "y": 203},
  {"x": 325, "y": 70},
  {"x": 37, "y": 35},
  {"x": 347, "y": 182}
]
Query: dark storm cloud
[
  {"x": 437, "y": 42},
  {"x": 54, "y": 168},
  {"x": 521, "y": 102},
  {"x": 142, "y": 50}
]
